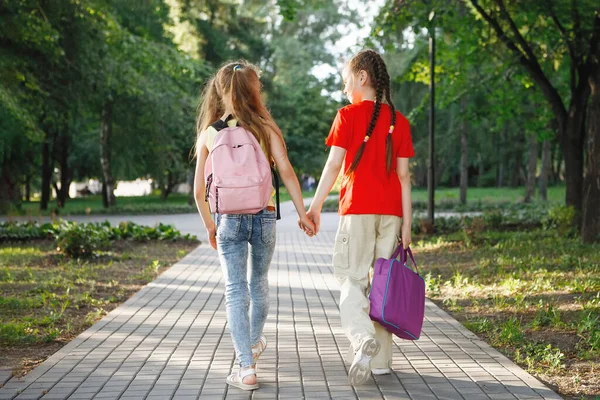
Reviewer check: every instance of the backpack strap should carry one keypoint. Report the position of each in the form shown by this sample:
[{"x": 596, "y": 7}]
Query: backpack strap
[
  {"x": 276, "y": 184},
  {"x": 220, "y": 124}
]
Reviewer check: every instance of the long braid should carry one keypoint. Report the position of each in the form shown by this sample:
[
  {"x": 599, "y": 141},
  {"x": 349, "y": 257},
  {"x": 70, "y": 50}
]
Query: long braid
[
  {"x": 368, "y": 60},
  {"x": 388, "y": 97}
]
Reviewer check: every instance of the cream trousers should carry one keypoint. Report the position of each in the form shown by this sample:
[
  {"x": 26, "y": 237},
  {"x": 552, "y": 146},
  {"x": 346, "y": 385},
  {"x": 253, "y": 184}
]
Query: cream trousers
[{"x": 360, "y": 240}]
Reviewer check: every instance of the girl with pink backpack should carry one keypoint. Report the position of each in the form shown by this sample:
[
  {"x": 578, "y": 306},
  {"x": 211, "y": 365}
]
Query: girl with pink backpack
[
  {"x": 372, "y": 142},
  {"x": 238, "y": 142}
]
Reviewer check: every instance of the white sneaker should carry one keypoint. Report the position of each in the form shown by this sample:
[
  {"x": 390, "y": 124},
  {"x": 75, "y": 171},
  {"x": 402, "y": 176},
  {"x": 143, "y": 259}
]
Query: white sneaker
[
  {"x": 361, "y": 365},
  {"x": 381, "y": 371}
]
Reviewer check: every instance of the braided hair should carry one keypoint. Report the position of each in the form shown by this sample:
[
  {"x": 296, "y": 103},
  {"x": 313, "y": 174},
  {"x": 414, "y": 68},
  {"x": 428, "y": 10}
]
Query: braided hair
[{"x": 372, "y": 63}]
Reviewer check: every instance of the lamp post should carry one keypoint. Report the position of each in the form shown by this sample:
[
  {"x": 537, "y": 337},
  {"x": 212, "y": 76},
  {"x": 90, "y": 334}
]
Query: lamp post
[{"x": 431, "y": 166}]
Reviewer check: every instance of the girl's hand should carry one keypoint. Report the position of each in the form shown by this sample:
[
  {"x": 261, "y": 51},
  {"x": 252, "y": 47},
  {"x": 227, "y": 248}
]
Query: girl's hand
[
  {"x": 315, "y": 217},
  {"x": 306, "y": 225},
  {"x": 211, "y": 231},
  {"x": 406, "y": 235}
]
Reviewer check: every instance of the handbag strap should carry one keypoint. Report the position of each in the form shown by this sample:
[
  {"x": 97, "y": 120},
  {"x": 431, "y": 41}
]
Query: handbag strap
[
  {"x": 403, "y": 256},
  {"x": 397, "y": 252}
]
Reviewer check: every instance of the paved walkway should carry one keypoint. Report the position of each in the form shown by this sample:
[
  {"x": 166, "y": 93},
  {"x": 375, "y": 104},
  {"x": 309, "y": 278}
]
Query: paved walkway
[{"x": 170, "y": 341}]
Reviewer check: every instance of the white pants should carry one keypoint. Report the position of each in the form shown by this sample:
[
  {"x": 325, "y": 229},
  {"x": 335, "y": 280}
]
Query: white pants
[{"x": 360, "y": 240}]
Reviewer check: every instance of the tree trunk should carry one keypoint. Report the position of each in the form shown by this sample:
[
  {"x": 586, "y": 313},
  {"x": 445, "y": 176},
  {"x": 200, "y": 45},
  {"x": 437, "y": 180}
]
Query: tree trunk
[
  {"x": 28, "y": 188},
  {"x": 504, "y": 155},
  {"x": 531, "y": 170},
  {"x": 480, "y": 171},
  {"x": 554, "y": 164},
  {"x": 546, "y": 166},
  {"x": 104, "y": 196},
  {"x": 167, "y": 187},
  {"x": 46, "y": 173},
  {"x": 515, "y": 170},
  {"x": 62, "y": 193},
  {"x": 8, "y": 190},
  {"x": 572, "y": 145},
  {"x": 105, "y": 134},
  {"x": 590, "y": 221},
  {"x": 464, "y": 153}
]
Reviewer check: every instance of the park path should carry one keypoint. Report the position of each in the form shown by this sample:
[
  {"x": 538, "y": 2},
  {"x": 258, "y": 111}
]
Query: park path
[{"x": 170, "y": 341}]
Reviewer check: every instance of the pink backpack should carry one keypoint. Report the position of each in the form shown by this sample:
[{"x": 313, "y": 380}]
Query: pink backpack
[{"x": 237, "y": 173}]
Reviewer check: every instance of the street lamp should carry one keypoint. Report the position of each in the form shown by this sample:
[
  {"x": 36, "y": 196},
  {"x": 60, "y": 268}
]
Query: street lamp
[{"x": 430, "y": 169}]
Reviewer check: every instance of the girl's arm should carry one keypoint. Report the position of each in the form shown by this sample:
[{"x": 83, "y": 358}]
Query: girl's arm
[
  {"x": 404, "y": 177},
  {"x": 328, "y": 178},
  {"x": 290, "y": 180},
  {"x": 200, "y": 191}
]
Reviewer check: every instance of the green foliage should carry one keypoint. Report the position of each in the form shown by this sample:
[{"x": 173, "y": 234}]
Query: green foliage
[
  {"x": 11, "y": 231},
  {"x": 532, "y": 293},
  {"x": 433, "y": 285},
  {"x": 546, "y": 316},
  {"x": 588, "y": 328},
  {"x": 81, "y": 240},
  {"x": 62, "y": 62},
  {"x": 510, "y": 332},
  {"x": 479, "y": 325},
  {"x": 562, "y": 219},
  {"x": 46, "y": 297},
  {"x": 537, "y": 355}
]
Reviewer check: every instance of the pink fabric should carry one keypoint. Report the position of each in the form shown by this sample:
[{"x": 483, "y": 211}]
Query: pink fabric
[{"x": 237, "y": 173}]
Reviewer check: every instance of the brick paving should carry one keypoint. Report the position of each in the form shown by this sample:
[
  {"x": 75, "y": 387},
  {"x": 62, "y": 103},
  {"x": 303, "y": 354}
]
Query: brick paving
[{"x": 170, "y": 341}]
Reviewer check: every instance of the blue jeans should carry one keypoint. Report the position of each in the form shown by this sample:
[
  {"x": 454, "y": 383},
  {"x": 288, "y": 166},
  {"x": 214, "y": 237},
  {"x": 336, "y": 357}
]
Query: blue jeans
[{"x": 247, "y": 304}]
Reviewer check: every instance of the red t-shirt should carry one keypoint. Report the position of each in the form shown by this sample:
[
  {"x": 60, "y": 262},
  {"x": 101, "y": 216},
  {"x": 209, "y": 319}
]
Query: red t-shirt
[{"x": 370, "y": 190}]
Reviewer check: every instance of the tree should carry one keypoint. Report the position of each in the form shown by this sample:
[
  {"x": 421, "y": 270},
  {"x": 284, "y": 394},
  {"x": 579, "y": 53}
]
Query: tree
[
  {"x": 550, "y": 50},
  {"x": 578, "y": 34}
]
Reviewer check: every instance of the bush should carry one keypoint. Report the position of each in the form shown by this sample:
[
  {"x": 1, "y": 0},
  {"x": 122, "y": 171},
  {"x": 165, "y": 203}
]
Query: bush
[
  {"x": 81, "y": 240},
  {"x": 12, "y": 231},
  {"x": 561, "y": 218},
  {"x": 84, "y": 240}
]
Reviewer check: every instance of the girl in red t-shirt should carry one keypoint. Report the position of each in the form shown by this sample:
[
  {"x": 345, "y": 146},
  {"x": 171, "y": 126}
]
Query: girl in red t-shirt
[{"x": 372, "y": 141}]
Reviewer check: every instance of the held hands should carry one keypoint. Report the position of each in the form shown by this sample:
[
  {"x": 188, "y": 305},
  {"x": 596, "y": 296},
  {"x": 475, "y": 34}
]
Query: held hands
[
  {"x": 307, "y": 225},
  {"x": 315, "y": 217},
  {"x": 310, "y": 222}
]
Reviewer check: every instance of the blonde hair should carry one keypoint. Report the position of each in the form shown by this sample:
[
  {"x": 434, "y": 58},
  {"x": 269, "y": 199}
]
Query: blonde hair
[{"x": 240, "y": 82}]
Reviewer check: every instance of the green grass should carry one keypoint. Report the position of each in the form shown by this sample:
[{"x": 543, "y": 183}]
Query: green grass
[
  {"x": 47, "y": 299},
  {"x": 152, "y": 204},
  {"x": 556, "y": 194},
  {"x": 533, "y": 294},
  {"x": 478, "y": 199},
  {"x": 446, "y": 199}
]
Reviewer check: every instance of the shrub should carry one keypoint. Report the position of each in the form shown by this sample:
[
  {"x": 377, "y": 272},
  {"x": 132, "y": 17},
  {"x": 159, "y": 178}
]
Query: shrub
[
  {"x": 84, "y": 240},
  {"x": 81, "y": 240},
  {"x": 561, "y": 218}
]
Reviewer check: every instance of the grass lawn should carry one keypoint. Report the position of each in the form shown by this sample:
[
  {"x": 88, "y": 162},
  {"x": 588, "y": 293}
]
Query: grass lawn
[
  {"x": 556, "y": 194},
  {"x": 446, "y": 199},
  {"x": 533, "y": 295},
  {"x": 478, "y": 199},
  {"x": 175, "y": 204},
  {"x": 47, "y": 300}
]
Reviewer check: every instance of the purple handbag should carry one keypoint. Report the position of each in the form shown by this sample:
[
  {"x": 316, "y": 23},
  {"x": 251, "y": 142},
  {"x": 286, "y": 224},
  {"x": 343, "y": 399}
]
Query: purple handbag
[{"x": 398, "y": 296}]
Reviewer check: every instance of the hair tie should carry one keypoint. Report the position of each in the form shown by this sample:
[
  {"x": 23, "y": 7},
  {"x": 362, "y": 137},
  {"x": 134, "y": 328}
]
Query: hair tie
[
  {"x": 237, "y": 67},
  {"x": 366, "y": 139},
  {"x": 391, "y": 129}
]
